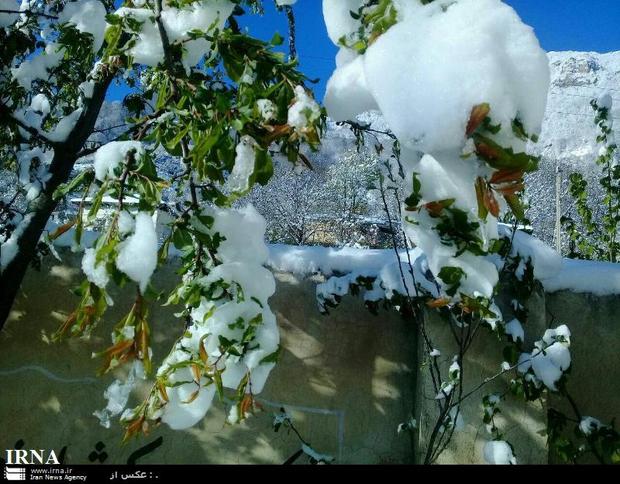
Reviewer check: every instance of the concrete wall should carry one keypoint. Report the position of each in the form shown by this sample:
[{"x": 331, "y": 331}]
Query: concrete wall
[
  {"x": 348, "y": 379},
  {"x": 593, "y": 382}
]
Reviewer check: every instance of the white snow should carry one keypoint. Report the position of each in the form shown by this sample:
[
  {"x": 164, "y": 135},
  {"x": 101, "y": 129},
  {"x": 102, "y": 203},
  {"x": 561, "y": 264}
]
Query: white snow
[
  {"x": 126, "y": 222},
  {"x": 33, "y": 176},
  {"x": 499, "y": 452},
  {"x": 117, "y": 394},
  {"x": 7, "y": 19},
  {"x": 180, "y": 412},
  {"x": 249, "y": 285},
  {"x": 64, "y": 127},
  {"x": 515, "y": 330},
  {"x": 589, "y": 425},
  {"x": 550, "y": 357},
  {"x": 111, "y": 155},
  {"x": 307, "y": 260},
  {"x": 9, "y": 248},
  {"x": 310, "y": 452},
  {"x": 285, "y": 2},
  {"x": 549, "y": 365},
  {"x": 244, "y": 231},
  {"x": 95, "y": 273},
  {"x": 267, "y": 109},
  {"x": 425, "y": 74},
  {"x": 239, "y": 180},
  {"x": 40, "y": 104},
  {"x": 347, "y": 92},
  {"x": 482, "y": 44},
  {"x": 178, "y": 22},
  {"x": 546, "y": 261},
  {"x": 137, "y": 255},
  {"x": 598, "y": 278},
  {"x": 303, "y": 111},
  {"x": 37, "y": 67},
  {"x": 338, "y": 18},
  {"x": 88, "y": 16}
]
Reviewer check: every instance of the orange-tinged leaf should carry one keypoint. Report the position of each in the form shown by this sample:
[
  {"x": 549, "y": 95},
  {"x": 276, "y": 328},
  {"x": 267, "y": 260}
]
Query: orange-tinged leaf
[
  {"x": 62, "y": 229},
  {"x": 162, "y": 391},
  {"x": 133, "y": 428},
  {"x": 477, "y": 116},
  {"x": 438, "y": 303},
  {"x": 197, "y": 373},
  {"x": 119, "y": 347},
  {"x": 202, "y": 352},
  {"x": 246, "y": 404},
  {"x": 192, "y": 397},
  {"x": 435, "y": 208},
  {"x": 490, "y": 202},
  {"x": 506, "y": 175},
  {"x": 510, "y": 189},
  {"x": 481, "y": 187},
  {"x": 277, "y": 132},
  {"x": 487, "y": 152}
]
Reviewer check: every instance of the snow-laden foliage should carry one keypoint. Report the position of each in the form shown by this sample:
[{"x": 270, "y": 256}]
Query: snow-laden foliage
[
  {"x": 462, "y": 85},
  {"x": 210, "y": 101}
]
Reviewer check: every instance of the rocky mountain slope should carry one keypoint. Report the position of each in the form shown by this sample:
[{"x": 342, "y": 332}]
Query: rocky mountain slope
[{"x": 568, "y": 138}]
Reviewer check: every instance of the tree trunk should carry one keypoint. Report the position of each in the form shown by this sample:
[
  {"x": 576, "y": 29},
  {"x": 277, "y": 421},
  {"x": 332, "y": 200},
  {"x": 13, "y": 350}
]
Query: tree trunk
[
  {"x": 65, "y": 156},
  {"x": 13, "y": 274}
]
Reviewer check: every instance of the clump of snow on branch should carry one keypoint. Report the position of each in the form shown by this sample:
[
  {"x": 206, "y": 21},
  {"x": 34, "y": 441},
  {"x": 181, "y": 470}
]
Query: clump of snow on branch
[
  {"x": 549, "y": 359},
  {"x": 137, "y": 255},
  {"x": 239, "y": 180},
  {"x": 234, "y": 332},
  {"x": 304, "y": 111},
  {"x": 428, "y": 71},
  {"x": 499, "y": 452},
  {"x": 117, "y": 394},
  {"x": 94, "y": 272},
  {"x": 111, "y": 155},
  {"x": 425, "y": 74},
  {"x": 203, "y": 15},
  {"x": 88, "y": 16}
]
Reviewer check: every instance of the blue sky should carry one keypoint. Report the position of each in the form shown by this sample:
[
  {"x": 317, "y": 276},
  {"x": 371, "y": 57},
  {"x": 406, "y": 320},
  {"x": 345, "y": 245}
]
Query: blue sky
[{"x": 586, "y": 25}]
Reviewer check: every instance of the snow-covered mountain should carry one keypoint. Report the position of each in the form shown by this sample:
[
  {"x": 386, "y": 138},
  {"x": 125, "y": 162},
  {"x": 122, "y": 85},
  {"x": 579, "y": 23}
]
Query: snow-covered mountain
[{"x": 568, "y": 137}]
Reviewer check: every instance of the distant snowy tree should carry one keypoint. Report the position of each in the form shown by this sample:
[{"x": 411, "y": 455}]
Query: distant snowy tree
[{"x": 290, "y": 204}]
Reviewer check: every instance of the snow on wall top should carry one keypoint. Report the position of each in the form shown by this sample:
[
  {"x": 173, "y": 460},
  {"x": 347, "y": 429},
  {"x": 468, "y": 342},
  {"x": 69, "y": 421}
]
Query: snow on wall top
[{"x": 597, "y": 278}]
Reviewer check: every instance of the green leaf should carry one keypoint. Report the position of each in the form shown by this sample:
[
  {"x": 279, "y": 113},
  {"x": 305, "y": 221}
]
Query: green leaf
[
  {"x": 263, "y": 167},
  {"x": 273, "y": 357},
  {"x": 277, "y": 39},
  {"x": 87, "y": 176}
]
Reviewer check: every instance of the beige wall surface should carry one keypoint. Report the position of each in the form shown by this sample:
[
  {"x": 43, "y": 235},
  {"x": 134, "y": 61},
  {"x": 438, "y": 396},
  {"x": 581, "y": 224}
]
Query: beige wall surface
[{"x": 348, "y": 380}]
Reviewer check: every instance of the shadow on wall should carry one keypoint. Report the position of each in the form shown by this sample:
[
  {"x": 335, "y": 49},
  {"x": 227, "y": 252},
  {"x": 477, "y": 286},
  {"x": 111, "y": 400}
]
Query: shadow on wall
[{"x": 346, "y": 379}]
